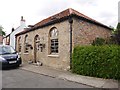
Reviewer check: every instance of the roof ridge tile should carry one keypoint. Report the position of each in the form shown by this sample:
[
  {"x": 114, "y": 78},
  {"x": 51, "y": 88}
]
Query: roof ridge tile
[{"x": 63, "y": 14}]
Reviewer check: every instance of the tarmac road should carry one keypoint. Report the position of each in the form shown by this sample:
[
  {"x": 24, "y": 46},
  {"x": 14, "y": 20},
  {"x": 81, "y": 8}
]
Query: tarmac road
[{"x": 18, "y": 78}]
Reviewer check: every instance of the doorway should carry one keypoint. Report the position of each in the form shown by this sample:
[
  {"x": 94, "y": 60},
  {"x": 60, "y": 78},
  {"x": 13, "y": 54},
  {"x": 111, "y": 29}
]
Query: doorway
[{"x": 36, "y": 47}]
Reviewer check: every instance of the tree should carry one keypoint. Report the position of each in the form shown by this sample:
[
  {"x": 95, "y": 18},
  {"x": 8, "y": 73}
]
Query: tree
[
  {"x": 117, "y": 34},
  {"x": 118, "y": 26},
  {"x": 1, "y": 31}
]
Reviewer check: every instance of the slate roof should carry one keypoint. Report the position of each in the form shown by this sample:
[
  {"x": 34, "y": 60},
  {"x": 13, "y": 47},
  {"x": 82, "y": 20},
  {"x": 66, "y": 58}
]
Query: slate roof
[{"x": 60, "y": 17}]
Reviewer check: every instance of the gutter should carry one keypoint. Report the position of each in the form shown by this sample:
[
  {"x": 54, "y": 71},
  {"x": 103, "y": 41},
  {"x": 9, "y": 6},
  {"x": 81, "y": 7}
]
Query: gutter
[{"x": 70, "y": 21}]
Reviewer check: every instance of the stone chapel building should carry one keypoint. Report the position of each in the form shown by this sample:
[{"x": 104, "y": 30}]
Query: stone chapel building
[{"x": 52, "y": 40}]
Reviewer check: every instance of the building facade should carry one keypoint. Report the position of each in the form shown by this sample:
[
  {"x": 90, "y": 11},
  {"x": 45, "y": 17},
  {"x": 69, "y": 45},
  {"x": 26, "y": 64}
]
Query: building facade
[
  {"x": 1, "y": 39},
  {"x": 52, "y": 40},
  {"x": 6, "y": 40},
  {"x": 10, "y": 38}
]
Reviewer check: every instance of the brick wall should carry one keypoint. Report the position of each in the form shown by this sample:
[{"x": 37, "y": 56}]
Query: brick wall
[{"x": 84, "y": 32}]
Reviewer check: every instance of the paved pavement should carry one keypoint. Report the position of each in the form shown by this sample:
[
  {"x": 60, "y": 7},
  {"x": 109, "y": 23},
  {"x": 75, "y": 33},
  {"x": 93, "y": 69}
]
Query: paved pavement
[
  {"x": 91, "y": 81},
  {"x": 19, "y": 78}
]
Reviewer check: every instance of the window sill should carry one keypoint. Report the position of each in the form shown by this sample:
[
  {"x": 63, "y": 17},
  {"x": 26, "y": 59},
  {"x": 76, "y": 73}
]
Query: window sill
[
  {"x": 26, "y": 53},
  {"x": 53, "y": 55},
  {"x": 19, "y": 52}
]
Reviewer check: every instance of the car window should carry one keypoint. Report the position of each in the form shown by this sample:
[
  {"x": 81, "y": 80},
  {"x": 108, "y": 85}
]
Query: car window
[{"x": 6, "y": 50}]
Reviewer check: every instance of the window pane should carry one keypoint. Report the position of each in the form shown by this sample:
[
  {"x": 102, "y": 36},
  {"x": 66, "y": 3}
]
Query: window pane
[
  {"x": 54, "y": 33},
  {"x": 54, "y": 40},
  {"x": 54, "y": 46}
]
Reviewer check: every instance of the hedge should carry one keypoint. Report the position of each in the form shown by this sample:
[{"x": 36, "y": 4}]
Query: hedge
[{"x": 97, "y": 61}]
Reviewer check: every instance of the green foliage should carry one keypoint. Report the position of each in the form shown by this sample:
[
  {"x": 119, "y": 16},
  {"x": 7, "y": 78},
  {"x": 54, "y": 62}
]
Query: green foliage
[
  {"x": 1, "y": 31},
  {"x": 97, "y": 61},
  {"x": 117, "y": 34},
  {"x": 107, "y": 41},
  {"x": 111, "y": 41},
  {"x": 118, "y": 26},
  {"x": 98, "y": 41}
]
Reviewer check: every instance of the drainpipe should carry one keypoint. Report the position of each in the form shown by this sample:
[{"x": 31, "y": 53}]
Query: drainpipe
[
  {"x": 16, "y": 43},
  {"x": 70, "y": 21}
]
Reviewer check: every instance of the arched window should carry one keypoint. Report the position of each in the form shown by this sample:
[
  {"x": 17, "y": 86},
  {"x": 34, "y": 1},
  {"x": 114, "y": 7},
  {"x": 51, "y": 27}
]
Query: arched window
[
  {"x": 26, "y": 44},
  {"x": 54, "y": 41},
  {"x": 19, "y": 44}
]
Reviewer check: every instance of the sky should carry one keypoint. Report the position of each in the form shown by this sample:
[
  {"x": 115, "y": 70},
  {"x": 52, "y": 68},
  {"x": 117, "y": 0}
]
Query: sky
[
  {"x": 119, "y": 11},
  {"x": 33, "y": 11}
]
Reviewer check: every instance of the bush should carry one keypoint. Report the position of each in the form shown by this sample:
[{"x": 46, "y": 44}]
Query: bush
[
  {"x": 108, "y": 41},
  {"x": 97, "y": 61},
  {"x": 117, "y": 37},
  {"x": 98, "y": 41}
]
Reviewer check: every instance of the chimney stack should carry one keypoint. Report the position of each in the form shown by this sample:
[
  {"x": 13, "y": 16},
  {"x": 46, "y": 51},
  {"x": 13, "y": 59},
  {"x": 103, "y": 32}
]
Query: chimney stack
[
  {"x": 21, "y": 18},
  {"x": 22, "y": 22},
  {"x": 13, "y": 29}
]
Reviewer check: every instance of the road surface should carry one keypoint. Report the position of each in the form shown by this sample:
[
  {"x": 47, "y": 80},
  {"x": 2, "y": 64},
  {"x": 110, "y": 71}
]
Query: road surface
[{"x": 18, "y": 78}]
